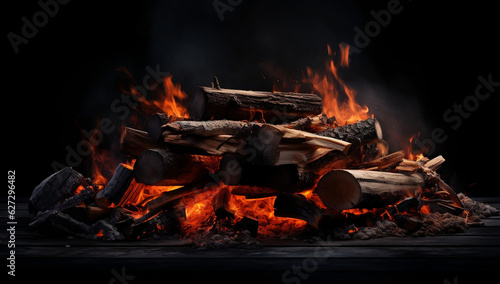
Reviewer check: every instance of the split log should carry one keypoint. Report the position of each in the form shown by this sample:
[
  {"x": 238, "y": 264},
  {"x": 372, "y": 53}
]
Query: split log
[
  {"x": 116, "y": 187},
  {"x": 365, "y": 131},
  {"x": 207, "y": 103},
  {"x": 435, "y": 163},
  {"x": 55, "y": 189},
  {"x": 407, "y": 166},
  {"x": 133, "y": 142},
  {"x": 346, "y": 189},
  {"x": 383, "y": 162},
  {"x": 155, "y": 123},
  {"x": 163, "y": 167}
]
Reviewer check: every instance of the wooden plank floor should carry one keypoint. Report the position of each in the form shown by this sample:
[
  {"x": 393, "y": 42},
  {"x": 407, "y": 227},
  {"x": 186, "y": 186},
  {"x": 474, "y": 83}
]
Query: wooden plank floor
[{"x": 469, "y": 257}]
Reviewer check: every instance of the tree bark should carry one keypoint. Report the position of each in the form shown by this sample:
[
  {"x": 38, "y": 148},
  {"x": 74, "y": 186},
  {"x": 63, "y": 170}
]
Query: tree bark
[
  {"x": 346, "y": 189},
  {"x": 207, "y": 103},
  {"x": 365, "y": 131}
]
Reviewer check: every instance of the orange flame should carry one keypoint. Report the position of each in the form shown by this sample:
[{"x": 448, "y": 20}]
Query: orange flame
[
  {"x": 168, "y": 99},
  {"x": 409, "y": 150},
  {"x": 338, "y": 99}
]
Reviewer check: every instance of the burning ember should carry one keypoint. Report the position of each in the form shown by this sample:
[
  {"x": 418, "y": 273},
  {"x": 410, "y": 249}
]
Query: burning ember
[{"x": 236, "y": 166}]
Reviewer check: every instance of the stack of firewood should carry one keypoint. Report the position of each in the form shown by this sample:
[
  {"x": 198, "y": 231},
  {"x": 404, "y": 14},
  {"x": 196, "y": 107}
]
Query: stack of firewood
[{"x": 261, "y": 144}]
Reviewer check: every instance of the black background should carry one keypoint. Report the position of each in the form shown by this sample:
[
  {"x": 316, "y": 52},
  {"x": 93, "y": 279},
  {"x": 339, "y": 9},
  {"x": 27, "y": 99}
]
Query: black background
[{"x": 424, "y": 61}]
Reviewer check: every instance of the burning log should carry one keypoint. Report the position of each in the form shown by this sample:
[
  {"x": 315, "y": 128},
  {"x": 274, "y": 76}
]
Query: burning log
[
  {"x": 116, "y": 187},
  {"x": 345, "y": 189},
  {"x": 298, "y": 207},
  {"x": 163, "y": 167},
  {"x": 365, "y": 131},
  {"x": 207, "y": 103},
  {"x": 220, "y": 203}
]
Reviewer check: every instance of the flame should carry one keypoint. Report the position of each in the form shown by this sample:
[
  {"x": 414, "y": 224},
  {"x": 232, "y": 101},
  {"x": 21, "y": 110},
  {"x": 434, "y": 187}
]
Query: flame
[
  {"x": 409, "y": 150},
  {"x": 168, "y": 99},
  {"x": 338, "y": 99},
  {"x": 262, "y": 209}
]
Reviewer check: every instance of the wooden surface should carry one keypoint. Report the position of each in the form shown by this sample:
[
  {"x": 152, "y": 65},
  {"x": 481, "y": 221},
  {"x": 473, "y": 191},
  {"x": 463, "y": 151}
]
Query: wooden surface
[{"x": 469, "y": 257}]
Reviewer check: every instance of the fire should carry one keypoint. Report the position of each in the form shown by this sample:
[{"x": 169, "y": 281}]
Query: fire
[
  {"x": 168, "y": 99},
  {"x": 409, "y": 150},
  {"x": 262, "y": 209},
  {"x": 338, "y": 99}
]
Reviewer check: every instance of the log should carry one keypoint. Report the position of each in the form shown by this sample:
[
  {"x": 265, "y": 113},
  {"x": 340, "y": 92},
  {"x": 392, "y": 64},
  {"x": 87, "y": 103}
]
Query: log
[
  {"x": 346, "y": 189},
  {"x": 207, "y": 103},
  {"x": 165, "y": 198},
  {"x": 220, "y": 203},
  {"x": 263, "y": 144},
  {"x": 163, "y": 167},
  {"x": 298, "y": 207},
  {"x": 155, "y": 123},
  {"x": 133, "y": 142},
  {"x": 365, "y": 131},
  {"x": 55, "y": 189},
  {"x": 435, "y": 163},
  {"x": 116, "y": 187},
  {"x": 235, "y": 170},
  {"x": 204, "y": 128}
]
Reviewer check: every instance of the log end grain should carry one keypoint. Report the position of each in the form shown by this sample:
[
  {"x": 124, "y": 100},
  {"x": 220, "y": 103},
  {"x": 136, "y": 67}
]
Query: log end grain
[
  {"x": 196, "y": 104},
  {"x": 339, "y": 190}
]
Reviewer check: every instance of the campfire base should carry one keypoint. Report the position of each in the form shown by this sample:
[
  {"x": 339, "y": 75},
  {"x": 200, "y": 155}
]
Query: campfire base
[{"x": 470, "y": 257}]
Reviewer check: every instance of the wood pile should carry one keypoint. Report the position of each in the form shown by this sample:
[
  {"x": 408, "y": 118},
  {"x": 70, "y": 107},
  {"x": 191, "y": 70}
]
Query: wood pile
[{"x": 252, "y": 144}]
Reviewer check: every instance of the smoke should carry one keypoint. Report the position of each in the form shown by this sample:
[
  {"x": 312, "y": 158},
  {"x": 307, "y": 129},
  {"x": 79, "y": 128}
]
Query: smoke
[{"x": 398, "y": 111}]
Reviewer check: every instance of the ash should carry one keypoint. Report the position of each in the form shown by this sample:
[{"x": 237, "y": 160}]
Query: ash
[
  {"x": 223, "y": 234},
  {"x": 477, "y": 208}
]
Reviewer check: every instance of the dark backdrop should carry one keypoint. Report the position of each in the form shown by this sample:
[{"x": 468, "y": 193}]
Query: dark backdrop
[{"x": 416, "y": 66}]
